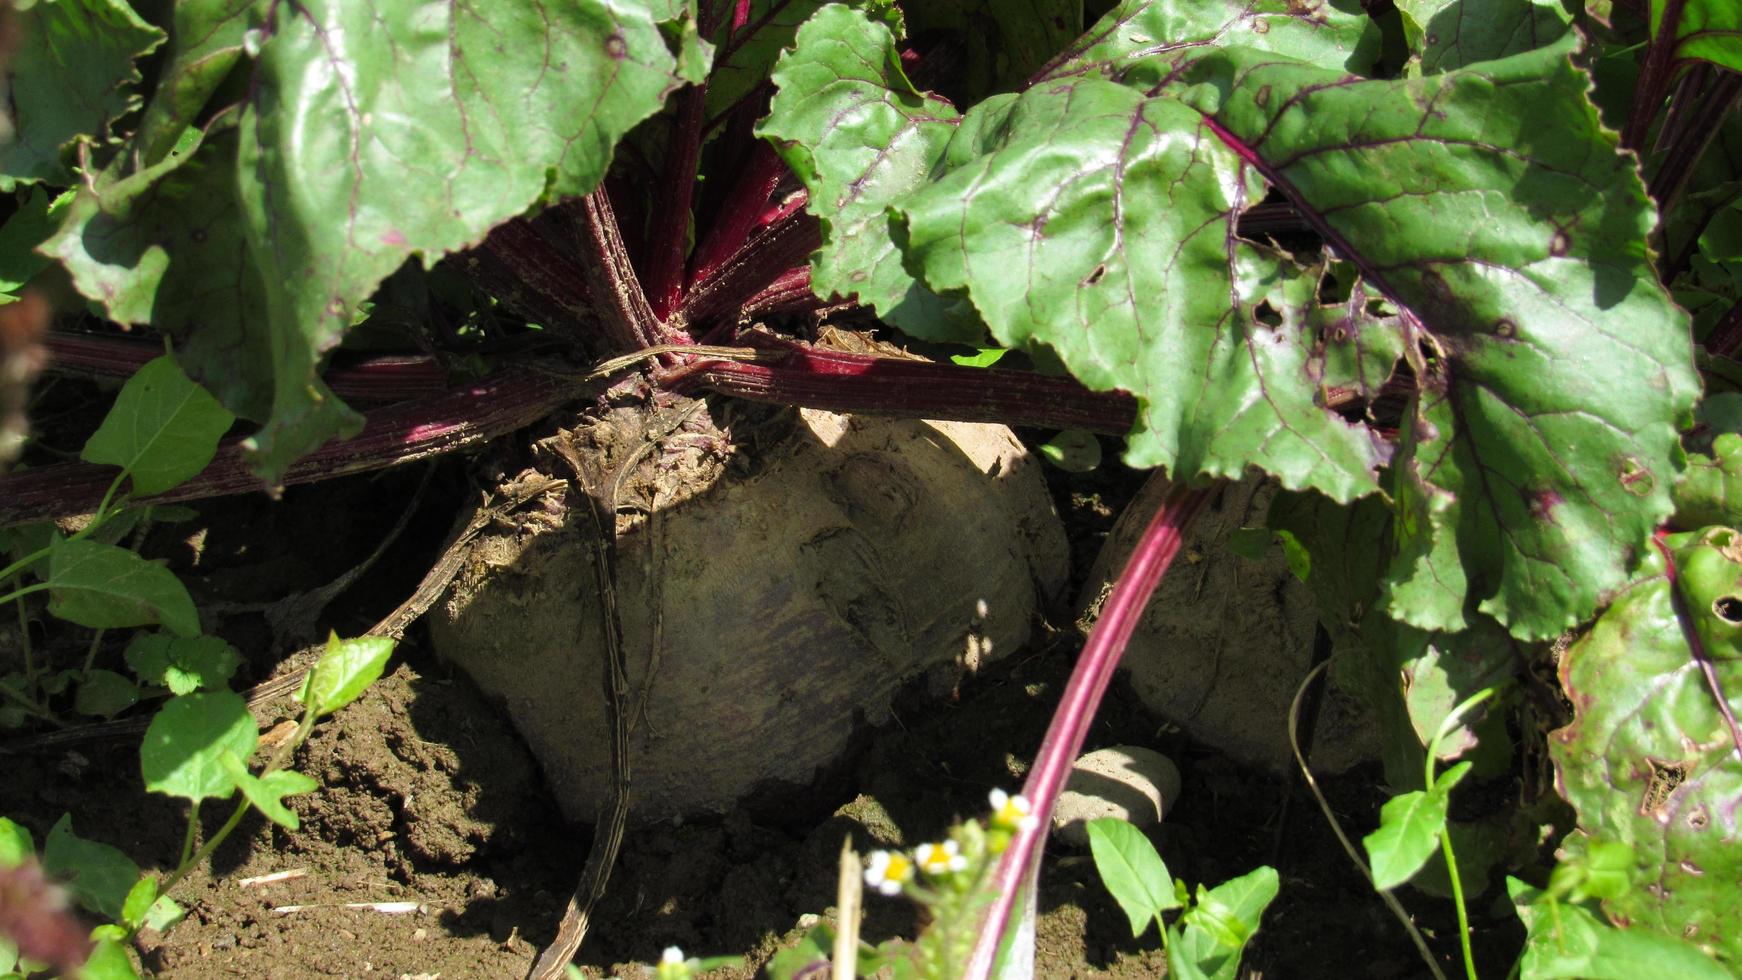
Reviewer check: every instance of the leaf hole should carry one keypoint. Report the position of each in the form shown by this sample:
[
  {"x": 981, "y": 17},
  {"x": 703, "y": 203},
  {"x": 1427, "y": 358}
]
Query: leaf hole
[
  {"x": 1665, "y": 777},
  {"x": 1266, "y": 314},
  {"x": 1728, "y": 608},
  {"x": 1096, "y": 276}
]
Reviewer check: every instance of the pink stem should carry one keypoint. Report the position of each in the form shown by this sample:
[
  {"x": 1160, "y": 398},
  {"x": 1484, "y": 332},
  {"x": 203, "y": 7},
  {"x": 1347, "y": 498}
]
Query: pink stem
[
  {"x": 629, "y": 318},
  {"x": 665, "y": 269},
  {"x": 842, "y": 382},
  {"x": 1155, "y": 551},
  {"x": 744, "y": 203},
  {"x": 768, "y": 255},
  {"x": 790, "y": 292},
  {"x": 390, "y": 378},
  {"x": 1654, "y": 77},
  {"x": 459, "y": 419}
]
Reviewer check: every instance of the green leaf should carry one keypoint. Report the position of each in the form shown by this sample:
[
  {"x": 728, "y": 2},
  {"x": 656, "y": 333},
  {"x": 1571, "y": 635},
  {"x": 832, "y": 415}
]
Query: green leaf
[
  {"x": 985, "y": 357},
  {"x": 99, "y": 875},
  {"x": 434, "y": 124},
  {"x": 1073, "y": 450},
  {"x": 16, "y": 845},
  {"x": 182, "y": 664},
  {"x": 1409, "y": 830},
  {"x": 71, "y": 76},
  {"x": 1451, "y": 34},
  {"x": 102, "y": 586},
  {"x": 1143, "y": 41},
  {"x": 344, "y": 670},
  {"x": 267, "y": 792},
  {"x": 205, "y": 43},
  {"x": 28, "y": 227},
  {"x": 814, "y": 946},
  {"x": 105, "y": 694},
  {"x": 851, "y": 125},
  {"x": 1132, "y": 871},
  {"x": 1096, "y": 220},
  {"x": 1566, "y": 940},
  {"x": 184, "y": 746},
  {"x": 162, "y": 430},
  {"x": 1648, "y": 760},
  {"x": 109, "y": 959},
  {"x": 1710, "y": 489},
  {"x": 1214, "y": 932},
  {"x": 1709, "y": 30},
  {"x": 146, "y": 908}
]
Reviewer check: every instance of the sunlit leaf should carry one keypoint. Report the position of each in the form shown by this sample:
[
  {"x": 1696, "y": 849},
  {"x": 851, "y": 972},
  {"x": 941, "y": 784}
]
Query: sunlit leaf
[
  {"x": 183, "y": 749},
  {"x": 162, "y": 430}
]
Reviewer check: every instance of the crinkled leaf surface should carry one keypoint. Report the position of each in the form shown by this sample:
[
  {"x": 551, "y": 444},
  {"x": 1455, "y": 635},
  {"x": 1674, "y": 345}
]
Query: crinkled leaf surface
[
  {"x": 1449, "y": 34},
  {"x": 1648, "y": 760},
  {"x": 162, "y": 429},
  {"x": 851, "y": 125},
  {"x": 205, "y": 43},
  {"x": 1569, "y": 941},
  {"x": 105, "y": 587},
  {"x": 1710, "y": 30},
  {"x": 744, "y": 58},
  {"x": 71, "y": 76},
  {"x": 1710, "y": 490},
  {"x": 183, "y": 750},
  {"x": 373, "y": 132},
  {"x": 1487, "y": 205},
  {"x": 1142, "y": 41},
  {"x": 1490, "y": 206}
]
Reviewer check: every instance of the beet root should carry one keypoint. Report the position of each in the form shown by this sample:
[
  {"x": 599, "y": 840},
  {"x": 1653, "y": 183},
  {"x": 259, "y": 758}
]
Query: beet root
[{"x": 770, "y": 607}]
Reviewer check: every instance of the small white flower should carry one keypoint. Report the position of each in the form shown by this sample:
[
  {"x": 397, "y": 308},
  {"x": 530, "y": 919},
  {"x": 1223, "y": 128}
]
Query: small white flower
[
  {"x": 887, "y": 871},
  {"x": 937, "y": 859},
  {"x": 1012, "y": 812},
  {"x": 671, "y": 955}
]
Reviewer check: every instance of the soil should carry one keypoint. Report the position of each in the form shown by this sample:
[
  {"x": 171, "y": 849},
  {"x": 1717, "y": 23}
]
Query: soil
[{"x": 429, "y": 799}]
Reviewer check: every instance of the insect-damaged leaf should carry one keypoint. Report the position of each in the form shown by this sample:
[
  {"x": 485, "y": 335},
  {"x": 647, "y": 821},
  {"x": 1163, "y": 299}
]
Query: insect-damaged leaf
[
  {"x": 1487, "y": 206},
  {"x": 424, "y": 129},
  {"x": 1649, "y": 760}
]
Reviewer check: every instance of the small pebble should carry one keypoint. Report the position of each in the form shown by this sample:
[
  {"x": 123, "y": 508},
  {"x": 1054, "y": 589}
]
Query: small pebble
[{"x": 1125, "y": 781}]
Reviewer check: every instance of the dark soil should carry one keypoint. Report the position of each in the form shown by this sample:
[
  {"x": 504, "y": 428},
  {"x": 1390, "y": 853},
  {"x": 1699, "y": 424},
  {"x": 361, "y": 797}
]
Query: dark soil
[{"x": 428, "y": 797}]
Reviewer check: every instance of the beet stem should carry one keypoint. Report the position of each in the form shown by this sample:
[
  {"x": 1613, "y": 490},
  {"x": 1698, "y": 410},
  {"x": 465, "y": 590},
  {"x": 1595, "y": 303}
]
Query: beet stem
[
  {"x": 629, "y": 318},
  {"x": 764, "y": 258},
  {"x": 459, "y": 419},
  {"x": 665, "y": 267},
  {"x": 1155, "y": 551}
]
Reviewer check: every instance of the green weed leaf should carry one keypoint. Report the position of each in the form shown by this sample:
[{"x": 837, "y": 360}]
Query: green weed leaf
[
  {"x": 344, "y": 670},
  {"x": 72, "y": 77},
  {"x": 1649, "y": 761},
  {"x": 1214, "y": 932},
  {"x": 1073, "y": 450},
  {"x": 102, "y": 586},
  {"x": 105, "y": 694},
  {"x": 182, "y": 664},
  {"x": 162, "y": 430},
  {"x": 109, "y": 959},
  {"x": 16, "y": 845},
  {"x": 187, "y": 739},
  {"x": 1568, "y": 941},
  {"x": 267, "y": 792},
  {"x": 99, "y": 875},
  {"x": 1132, "y": 871},
  {"x": 148, "y": 909},
  {"x": 1409, "y": 831}
]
